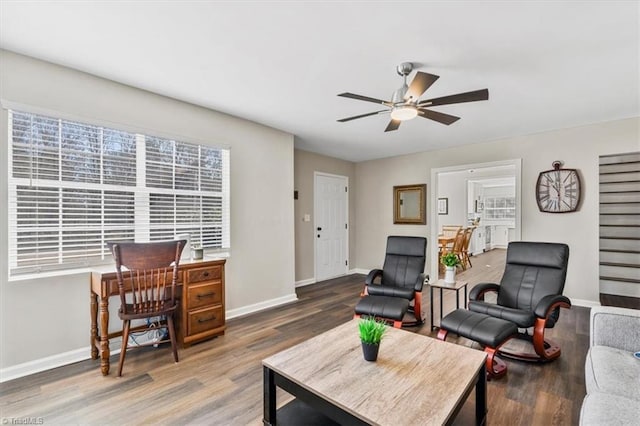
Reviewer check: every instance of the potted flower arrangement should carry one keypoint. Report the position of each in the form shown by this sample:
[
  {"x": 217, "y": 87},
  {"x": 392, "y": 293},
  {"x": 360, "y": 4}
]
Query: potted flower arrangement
[
  {"x": 450, "y": 261},
  {"x": 371, "y": 332}
]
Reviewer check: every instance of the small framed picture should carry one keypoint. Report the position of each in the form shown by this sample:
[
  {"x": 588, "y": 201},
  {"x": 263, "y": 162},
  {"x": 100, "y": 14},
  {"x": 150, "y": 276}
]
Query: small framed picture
[{"x": 443, "y": 206}]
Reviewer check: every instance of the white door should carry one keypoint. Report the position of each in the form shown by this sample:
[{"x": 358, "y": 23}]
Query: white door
[{"x": 330, "y": 225}]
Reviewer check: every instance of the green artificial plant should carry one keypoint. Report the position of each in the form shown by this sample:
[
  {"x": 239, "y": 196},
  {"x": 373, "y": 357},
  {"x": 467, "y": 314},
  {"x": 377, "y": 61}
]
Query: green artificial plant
[
  {"x": 371, "y": 330},
  {"x": 450, "y": 259}
]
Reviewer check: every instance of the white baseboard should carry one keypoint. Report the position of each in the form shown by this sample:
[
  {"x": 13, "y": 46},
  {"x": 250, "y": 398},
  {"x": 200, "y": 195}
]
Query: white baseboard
[
  {"x": 249, "y": 309},
  {"x": 309, "y": 281},
  {"x": 82, "y": 354},
  {"x": 302, "y": 283},
  {"x": 42, "y": 364},
  {"x": 584, "y": 303}
]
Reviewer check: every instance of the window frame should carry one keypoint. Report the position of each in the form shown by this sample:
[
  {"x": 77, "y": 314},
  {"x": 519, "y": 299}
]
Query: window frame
[
  {"x": 141, "y": 226},
  {"x": 490, "y": 207}
]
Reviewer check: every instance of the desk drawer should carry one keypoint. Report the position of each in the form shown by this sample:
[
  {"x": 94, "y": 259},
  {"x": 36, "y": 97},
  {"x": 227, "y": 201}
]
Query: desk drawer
[
  {"x": 204, "y": 295},
  {"x": 204, "y": 319},
  {"x": 204, "y": 274}
]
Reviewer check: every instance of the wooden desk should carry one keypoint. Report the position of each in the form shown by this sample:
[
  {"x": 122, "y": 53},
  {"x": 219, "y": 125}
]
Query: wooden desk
[
  {"x": 201, "y": 294},
  {"x": 417, "y": 380}
]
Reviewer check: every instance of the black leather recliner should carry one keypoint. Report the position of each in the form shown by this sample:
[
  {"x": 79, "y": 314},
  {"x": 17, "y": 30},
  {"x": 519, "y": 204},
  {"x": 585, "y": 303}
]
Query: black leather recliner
[
  {"x": 529, "y": 294},
  {"x": 401, "y": 277}
]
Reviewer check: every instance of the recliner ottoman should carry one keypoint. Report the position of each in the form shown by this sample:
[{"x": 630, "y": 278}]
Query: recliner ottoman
[{"x": 384, "y": 307}]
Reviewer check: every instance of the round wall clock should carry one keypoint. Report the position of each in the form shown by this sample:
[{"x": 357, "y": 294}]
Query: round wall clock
[{"x": 558, "y": 190}]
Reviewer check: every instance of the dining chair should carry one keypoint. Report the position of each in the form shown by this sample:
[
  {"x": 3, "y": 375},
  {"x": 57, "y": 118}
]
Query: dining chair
[
  {"x": 448, "y": 232},
  {"x": 458, "y": 245},
  {"x": 147, "y": 274},
  {"x": 466, "y": 259}
]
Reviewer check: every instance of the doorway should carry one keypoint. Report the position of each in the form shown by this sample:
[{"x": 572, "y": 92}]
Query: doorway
[
  {"x": 331, "y": 225},
  {"x": 488, "y": 179}
]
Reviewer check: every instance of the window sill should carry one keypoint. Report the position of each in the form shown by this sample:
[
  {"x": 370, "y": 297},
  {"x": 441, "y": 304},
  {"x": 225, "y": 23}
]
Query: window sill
[
  {"x": 49, "y": 274},
  {"x": 89, "y": 269}
]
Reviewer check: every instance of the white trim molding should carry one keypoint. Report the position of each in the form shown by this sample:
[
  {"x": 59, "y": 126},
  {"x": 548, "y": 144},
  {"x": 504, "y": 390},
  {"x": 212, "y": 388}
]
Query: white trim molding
[
  {"x": 358, "y": 271},
  {"x": 584, "y": 303},
  {"x": 249, "y": 309},
  {"x": 42, "y": 364},
  {"x": 82, "y": 354},
  {"x": 303, "y": 283}
]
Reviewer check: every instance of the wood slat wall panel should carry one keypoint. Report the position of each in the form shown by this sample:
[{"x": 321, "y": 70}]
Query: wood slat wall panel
[
  {"x": 619, "y": 168},
  {"x": 620, "y": 222},
  {"x": 620, "y": 232},
  {"x": 629, "y": 186},
  {"x": 618, "y": 257},
  {"x": 621, "y": 197},
  {"x": 620, "y": 219},
  {"x": 629, "y": 208},
  {"x": 620, "y": 158},
  {"x": 613, "y": 244},
  {"x": 620, "y": 177},
  {"x": 620, "y": 272}
]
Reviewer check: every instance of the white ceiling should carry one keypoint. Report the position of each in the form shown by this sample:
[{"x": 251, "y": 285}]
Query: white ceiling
[{"x": 547, "y": 65}]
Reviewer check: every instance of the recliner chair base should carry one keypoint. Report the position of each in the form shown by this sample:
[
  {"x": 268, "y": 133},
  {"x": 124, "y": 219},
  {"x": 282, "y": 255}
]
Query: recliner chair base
[{"x": 546, "y": 350}]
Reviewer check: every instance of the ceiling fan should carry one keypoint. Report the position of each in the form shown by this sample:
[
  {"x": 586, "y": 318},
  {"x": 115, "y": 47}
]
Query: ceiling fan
[{"x": 405, "y": 103}]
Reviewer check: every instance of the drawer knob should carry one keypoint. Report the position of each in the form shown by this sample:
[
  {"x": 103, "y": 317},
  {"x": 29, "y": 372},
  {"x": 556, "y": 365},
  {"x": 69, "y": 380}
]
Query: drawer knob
[
  {"x": 203, "y": 295},
  {"x": 211, "y": 318},
  {"x": 206, "y": 274}
]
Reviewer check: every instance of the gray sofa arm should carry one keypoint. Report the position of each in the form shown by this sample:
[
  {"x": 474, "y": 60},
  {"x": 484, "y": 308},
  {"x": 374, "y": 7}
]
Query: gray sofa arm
[{"x": 615, "y": 327}]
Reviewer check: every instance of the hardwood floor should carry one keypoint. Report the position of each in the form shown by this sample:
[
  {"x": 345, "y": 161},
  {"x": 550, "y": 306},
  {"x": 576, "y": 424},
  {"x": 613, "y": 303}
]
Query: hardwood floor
[{"x": 219, "y": 382}]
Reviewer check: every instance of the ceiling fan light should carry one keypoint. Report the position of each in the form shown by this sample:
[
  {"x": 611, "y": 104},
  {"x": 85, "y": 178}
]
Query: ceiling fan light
[{"x": 404, "y": 112}]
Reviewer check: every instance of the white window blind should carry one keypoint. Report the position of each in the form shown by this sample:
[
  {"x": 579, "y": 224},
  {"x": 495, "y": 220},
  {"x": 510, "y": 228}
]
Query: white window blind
[{"x": 75, "y": 186}]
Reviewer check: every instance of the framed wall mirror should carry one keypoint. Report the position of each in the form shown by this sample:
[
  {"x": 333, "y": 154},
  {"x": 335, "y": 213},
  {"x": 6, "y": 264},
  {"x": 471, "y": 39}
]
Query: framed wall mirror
[{"x": 409, "y": 204}]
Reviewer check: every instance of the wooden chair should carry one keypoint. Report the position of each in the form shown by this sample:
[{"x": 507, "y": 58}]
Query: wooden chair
[
  {"x": 458, "y": 246},
  {"x": 448, "y": 232},
  {"x": 466, "y": 259},
  {"x": 147, "y": 274}
]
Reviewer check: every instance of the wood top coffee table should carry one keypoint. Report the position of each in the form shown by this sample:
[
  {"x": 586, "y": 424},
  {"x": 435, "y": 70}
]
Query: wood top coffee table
[{"x": 417, "y": 380}]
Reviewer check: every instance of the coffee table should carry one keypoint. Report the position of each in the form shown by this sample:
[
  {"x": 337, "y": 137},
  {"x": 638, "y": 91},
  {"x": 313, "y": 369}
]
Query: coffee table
[{"x": 416, "y": 380}]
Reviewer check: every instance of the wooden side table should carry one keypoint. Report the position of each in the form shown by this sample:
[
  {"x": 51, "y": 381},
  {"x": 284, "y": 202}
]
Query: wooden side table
[{"x": 440, "y": 284}]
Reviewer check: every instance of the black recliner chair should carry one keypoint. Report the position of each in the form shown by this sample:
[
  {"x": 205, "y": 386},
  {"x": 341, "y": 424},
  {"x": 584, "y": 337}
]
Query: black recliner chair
[
  {"x": 529, "y": 294},
  {"x": 400, "y": 282}
]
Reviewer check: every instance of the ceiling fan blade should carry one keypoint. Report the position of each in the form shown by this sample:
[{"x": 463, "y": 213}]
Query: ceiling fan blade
[
  {"x": 421, "y": 82},
  {"x": 393, "y": 125},
  {"x": 342, "y": 120},
  {"x": 364, "y": 98},
  {"x": 438, "y": 116},
  {"x": 476, "y": 95}
]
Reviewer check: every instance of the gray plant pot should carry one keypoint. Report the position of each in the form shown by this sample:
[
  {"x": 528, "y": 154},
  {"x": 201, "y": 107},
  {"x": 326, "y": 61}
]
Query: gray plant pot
[{"x": 370, "y": 351}]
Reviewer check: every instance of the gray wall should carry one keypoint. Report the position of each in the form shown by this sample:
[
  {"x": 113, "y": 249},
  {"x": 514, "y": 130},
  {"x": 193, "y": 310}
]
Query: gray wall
[
  {"x": 578, "y": 147},
  {"x": 306, "y": 163},
  {"x": 44, "y": 317}
]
